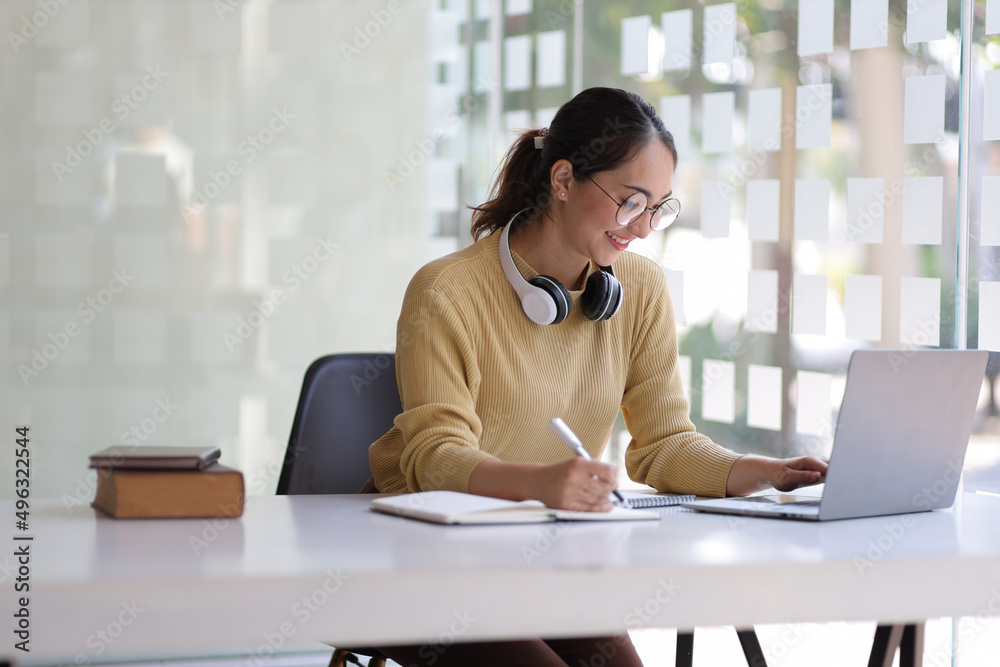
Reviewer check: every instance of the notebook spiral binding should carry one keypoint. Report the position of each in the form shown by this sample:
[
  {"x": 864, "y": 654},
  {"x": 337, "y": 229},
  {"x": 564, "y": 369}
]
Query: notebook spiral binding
[{"x": 659, "y": 501}]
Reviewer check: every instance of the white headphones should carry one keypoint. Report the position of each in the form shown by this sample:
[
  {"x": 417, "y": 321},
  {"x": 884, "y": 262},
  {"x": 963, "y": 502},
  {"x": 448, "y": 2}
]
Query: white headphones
[{"x": 545, "y": 300}]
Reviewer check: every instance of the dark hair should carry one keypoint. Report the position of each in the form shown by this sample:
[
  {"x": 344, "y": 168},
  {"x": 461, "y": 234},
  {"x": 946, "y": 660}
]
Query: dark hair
[{"x": 597, "y": 130}]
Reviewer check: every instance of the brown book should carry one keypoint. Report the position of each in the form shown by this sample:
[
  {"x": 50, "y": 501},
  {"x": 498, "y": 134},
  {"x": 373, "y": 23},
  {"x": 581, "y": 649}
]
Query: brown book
[
  {"x": 216, "y": 491},
  {"x": 154, "y": 457}
]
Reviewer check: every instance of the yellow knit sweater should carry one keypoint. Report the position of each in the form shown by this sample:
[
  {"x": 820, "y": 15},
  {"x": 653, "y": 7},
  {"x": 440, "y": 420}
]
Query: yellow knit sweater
[{"x": 478, "y": 379}]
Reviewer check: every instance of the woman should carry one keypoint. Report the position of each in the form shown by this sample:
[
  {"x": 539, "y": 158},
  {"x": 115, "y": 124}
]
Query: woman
[{"x": 487, "y": 354}]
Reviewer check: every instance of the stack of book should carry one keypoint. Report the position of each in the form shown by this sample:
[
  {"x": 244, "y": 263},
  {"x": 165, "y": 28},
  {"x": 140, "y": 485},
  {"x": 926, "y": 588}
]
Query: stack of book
[{"x": 166, "y": 483}]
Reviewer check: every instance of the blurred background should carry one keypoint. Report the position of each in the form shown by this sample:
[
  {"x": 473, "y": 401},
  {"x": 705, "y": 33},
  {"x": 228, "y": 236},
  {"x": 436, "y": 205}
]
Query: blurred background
[{"x": 200, "y": 197}]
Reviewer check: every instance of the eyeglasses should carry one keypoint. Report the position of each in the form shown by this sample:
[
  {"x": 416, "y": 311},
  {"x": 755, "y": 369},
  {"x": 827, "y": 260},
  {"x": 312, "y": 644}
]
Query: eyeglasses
[{"x": 633, "y": 206}]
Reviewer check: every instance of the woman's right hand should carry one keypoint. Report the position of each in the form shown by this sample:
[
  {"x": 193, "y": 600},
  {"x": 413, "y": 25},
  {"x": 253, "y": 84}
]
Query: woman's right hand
[{"x": 576, "y": 484}]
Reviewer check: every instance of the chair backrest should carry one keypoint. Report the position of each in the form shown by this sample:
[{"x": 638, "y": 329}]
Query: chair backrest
[{"x": 348, "y": 401}]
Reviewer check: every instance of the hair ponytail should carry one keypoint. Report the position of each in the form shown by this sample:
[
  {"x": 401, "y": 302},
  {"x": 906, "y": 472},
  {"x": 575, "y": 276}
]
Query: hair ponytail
[
  {"x": 521, "y": 186},
  {"x": 597, "y": 130}
]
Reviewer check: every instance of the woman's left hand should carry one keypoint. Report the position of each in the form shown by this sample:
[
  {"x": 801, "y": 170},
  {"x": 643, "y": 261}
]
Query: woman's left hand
[{"x": 754, "y": 473}]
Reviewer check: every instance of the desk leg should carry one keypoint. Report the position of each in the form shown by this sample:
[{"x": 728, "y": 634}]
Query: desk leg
[
  {"x": 685, "y": 649},
  {"x": 751, "y": 648},
  {"x": 908, "y": 638},
  {"x": 911, "y": 650},
  {"x": 887, "y": 640}
]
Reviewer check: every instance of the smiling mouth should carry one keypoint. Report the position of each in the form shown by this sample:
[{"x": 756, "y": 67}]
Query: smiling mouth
[{"x": 618, "y": 241}]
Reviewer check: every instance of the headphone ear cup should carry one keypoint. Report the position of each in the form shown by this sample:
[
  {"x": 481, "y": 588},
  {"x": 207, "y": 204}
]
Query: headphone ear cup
[
  {"x": 603, "y": 296},
  {"x": 558, "y": 293}
]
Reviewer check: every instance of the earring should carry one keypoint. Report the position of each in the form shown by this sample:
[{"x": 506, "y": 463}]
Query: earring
[{"x": 562, "y": 194}]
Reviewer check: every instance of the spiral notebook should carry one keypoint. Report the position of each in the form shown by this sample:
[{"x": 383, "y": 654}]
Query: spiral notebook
[
  {"x": 650, "y": 500},
  {"x": 451, "y": 507}
]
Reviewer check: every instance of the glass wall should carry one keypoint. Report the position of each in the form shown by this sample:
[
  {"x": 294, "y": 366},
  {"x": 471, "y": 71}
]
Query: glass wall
[{"x": 199, "y": 198}]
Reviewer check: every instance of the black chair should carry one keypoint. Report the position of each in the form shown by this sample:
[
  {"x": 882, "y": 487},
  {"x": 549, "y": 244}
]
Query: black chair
[{"x": 348, "y": 401}]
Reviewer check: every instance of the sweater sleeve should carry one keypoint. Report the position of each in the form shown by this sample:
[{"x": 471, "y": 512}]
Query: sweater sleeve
[
  {"x": 666, "y": 452},
  {"x": 438, "y": 378}
]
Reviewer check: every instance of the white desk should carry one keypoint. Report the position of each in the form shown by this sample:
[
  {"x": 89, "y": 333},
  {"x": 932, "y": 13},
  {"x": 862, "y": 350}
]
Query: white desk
[{"x": 391, "y": 579}]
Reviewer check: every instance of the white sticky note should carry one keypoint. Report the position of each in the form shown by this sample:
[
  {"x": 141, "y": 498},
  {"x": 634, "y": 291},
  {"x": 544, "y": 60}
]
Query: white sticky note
[
  {"x": 481, "y": 64},
  {"x": 991, "y": 105},
  {"x": 717, "y": 122},
  {"x": 764, "y": 120},
  {"x": 677, "y": 28},
  {"x": 676, "y": 114},
  {"x": 813, "y": 113},
  {"x": 809, "y": 304},
  {"x": 989, "y": 316},
  {"x": 815, "y": 27},
  {"x": 814, "y": 408},
  {"x": 923, "y": 109},
  {"x": 926, "y": 20},
  {"x": 869, "y": 23},
  {"x": 763, "y": 205},
  {"x": 762, "y": 301},
  {"x": 716, "y": 209},
  {"x": 920, "y": 311},
  {"x": 992, "y": 17},
  {"x": 863, "y": 307},
  {"x": 517, "y": 62},
  {"x": 720, "y": 33},
  {"x": 989, "y": 212},
  {"x": 865, "y": 210},
  {"x": 764, "y": 397},
  {"x": 675, "y": 285},
  {"x": 812, "y": 209},
  {"x": 551, "y": 59},
  {"x": 515, "y": 7},
  {"x": 718, "y": 395},
  {"x": 923, "y": 208},
  {"x": 635, "y": 45},
  {"x": 684, "y": 368}
]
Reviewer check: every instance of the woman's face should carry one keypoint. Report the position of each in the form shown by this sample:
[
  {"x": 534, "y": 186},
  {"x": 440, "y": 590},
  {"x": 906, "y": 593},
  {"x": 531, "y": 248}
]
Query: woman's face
[{"x": 590, "y": 229}]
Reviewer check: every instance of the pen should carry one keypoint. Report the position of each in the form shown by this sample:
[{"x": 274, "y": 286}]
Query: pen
[{"x": 573, "y": 442}]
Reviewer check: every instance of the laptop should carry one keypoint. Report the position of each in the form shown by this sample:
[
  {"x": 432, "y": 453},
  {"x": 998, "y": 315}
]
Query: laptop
[{"x": 900, "y": 442}]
